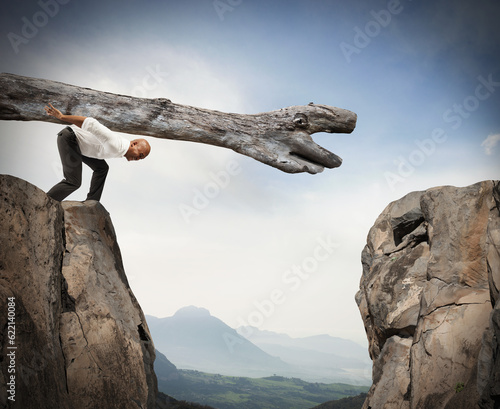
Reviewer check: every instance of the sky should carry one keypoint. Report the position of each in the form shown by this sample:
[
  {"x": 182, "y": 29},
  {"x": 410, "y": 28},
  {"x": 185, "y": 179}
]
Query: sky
[{"x": 278, "y": 251}]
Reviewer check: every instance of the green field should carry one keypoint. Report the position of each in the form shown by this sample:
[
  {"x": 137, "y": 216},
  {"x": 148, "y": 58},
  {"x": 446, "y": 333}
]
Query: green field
[{"x": 275, "y": 392}]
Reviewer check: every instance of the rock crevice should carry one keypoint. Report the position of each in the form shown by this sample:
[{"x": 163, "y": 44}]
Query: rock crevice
[{"x": 431, "y": 266}]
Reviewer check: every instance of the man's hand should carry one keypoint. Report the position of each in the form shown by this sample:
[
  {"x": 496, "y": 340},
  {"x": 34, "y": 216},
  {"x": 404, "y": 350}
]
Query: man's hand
[
  {"x": 53, "y": 112},
  {"x": 72, "y": 119}
]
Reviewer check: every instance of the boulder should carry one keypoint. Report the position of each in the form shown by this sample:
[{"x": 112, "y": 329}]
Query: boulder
[
  {"x": 81, "y": 339},
  {"x": 106, "y": 343},
  {"x": 430, "y": 282}
]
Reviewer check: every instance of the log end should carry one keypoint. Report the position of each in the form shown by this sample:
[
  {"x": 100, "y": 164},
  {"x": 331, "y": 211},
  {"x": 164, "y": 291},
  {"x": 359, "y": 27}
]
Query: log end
[{"x": 324, "y": 118}]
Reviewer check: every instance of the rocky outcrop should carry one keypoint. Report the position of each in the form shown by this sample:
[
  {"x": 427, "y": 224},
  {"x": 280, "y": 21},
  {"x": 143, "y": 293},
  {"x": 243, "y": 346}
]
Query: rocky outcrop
[
  {"x": 73, "y": 333},
  {"x": 429, "y": 298}
]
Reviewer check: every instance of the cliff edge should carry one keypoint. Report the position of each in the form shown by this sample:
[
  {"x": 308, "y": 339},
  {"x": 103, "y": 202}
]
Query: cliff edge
[
  {"x": 73, "y": 333},
  {"x": 429, "y": 299}
]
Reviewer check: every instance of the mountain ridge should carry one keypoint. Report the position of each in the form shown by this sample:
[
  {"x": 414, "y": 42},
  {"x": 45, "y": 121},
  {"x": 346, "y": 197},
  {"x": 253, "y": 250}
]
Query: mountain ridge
[
  {"x": 321, "y": 342},
  {"x": 194, "y": 339}
]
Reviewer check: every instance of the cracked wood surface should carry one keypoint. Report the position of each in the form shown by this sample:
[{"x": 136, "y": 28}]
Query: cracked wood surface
[{"x": 281, "y": 138}]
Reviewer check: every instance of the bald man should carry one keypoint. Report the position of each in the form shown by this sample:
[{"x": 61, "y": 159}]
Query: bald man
[{"x": 90, "y": 142}]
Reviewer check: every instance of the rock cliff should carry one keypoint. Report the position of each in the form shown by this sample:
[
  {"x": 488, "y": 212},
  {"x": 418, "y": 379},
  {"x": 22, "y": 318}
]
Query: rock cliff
[
  {"x": 429, "y": 299},
  {"x": 73, "y": 333}
]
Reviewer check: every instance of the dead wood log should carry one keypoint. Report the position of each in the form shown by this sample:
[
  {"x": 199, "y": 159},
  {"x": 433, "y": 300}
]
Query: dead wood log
[{"x": 281, "y": 138}]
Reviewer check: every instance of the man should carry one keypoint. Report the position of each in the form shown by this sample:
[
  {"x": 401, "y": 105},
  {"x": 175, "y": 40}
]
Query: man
[{"x": 90, "y": 142}]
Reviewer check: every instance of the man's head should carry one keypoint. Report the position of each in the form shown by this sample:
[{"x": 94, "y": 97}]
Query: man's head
[{"x": 138, "y": 149}]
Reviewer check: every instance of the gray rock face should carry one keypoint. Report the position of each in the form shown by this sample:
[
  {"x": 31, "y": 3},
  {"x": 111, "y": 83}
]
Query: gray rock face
[
  {"x": 81, "y": 337},
  {"x": 31, "y": 250},
  {"x": 430, "y": 282}
]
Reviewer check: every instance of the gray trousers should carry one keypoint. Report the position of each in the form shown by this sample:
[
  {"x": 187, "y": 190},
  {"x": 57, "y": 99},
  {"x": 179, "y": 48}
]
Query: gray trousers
[{"x": 71, "y": 159}]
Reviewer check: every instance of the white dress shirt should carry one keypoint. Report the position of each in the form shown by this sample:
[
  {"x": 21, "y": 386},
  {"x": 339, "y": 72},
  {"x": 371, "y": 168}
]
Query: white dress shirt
[{"x": 97, "y": 141}]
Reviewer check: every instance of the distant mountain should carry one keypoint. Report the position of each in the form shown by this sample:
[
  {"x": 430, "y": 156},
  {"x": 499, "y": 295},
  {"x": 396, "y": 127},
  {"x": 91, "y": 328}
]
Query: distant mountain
[
  {"x": 320, "y": 357},
  {"x": 194, "y": 339},
  {"x": 321, "y": 343},
  {"x": 164, "y": 369}
]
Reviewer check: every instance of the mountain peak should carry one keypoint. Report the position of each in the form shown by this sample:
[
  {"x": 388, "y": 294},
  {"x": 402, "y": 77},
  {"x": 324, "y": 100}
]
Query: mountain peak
[{"x": 192, "y": 311}]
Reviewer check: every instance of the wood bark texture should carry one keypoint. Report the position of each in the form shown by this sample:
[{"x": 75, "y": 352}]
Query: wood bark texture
[{"x": 281, "y": 138}]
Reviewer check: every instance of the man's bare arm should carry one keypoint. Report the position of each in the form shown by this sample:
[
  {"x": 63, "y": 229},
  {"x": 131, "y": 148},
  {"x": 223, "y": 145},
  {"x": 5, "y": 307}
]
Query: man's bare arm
[{"x": 72, "y": 119}]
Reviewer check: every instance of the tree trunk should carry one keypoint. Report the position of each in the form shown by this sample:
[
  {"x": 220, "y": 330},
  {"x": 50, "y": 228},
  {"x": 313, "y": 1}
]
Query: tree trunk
[{"x": 281, "y": 138}]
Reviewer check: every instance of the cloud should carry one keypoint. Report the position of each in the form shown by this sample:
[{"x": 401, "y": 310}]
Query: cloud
[{"x": 489, "y": 143}]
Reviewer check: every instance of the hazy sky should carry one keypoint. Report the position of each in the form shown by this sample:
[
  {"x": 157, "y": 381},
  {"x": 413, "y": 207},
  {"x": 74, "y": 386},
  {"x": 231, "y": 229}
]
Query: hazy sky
[{"x": 268, "y": 249}]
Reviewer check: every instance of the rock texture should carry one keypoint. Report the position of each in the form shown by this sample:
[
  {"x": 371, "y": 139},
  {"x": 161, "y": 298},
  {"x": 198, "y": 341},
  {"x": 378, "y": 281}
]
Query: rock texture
[
  {"x": 429, "y": 300},
  {"x": 81, "y": 337},
  {"x": 31, "y": 252},
  {"x": 281, "y": 138}
]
